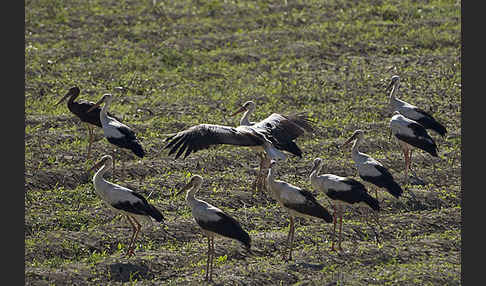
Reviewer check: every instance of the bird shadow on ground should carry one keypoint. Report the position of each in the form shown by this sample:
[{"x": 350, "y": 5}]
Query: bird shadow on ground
[{"x": 125, "y": 272}]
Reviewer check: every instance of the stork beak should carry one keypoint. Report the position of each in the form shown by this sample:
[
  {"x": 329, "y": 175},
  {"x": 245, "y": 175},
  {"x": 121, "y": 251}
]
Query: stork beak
[
  {"x": 63, "y": 98},
  {"x": 96, "y": 104},
  {"x": 348, "y": 141},
  {"x": 239, "y": 111},
  {"x": 96, "y": 166},
  {"x": 185, "y": 188}
]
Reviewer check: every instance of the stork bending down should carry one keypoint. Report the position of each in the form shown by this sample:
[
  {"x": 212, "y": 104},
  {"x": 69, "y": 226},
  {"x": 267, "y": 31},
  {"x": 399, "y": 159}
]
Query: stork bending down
[
  {"x": 341, "y": 190},
  {"x": 213, "y": 222},
  {"x": 296, "y": 201},
  {"x": 272, "y": 135},
  {"x": 123, "y": 200}
]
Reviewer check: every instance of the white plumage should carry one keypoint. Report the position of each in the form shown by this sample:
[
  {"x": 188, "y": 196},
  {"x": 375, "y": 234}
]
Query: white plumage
[
  {"x": 213, "y": 222},
  {"x": 411, "y": 111},
  {"x": 341, "y": 190},
  {"x": 371, "y": 170},
  {"x": 116, "y": 132},
  {"x": 411, "y": 133},
  {"x": 296, "y": 201},
  {"x": 123, "y": 200}
]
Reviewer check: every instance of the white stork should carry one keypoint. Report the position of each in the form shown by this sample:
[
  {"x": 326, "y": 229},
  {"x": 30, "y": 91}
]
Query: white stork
[
  {"x": 273, "y": 134},
  {"x": 411, "y": 111},
  {"x": 370, "y": 170},
  {"x": 116, "y": 132},
  {"x": 213, "y": 222},
  {"x": 341, "y": 190},
  {"x": 411, "y": 133},
  {"x": 123, "y": 200},
  {"x": 296, "y": 201}
]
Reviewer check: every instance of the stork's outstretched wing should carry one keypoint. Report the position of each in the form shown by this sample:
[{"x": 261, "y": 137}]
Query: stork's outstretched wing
[
  {"x": 202, "y": 136},
  {"x": 284, "y": 129}
]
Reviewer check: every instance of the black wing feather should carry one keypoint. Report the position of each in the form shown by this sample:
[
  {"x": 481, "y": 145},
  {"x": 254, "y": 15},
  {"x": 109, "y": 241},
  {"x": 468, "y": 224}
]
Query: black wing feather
[
  {"x": 284, "y": 129},
  {"x": 385, "y": 180},
  {"x": 429, "y": 122},
  {"x": 310, "y": 207},
  {"x": 228, "y": 227},
  {"x": 421, "y": 139},
  {"x": 142, "y": 207}
]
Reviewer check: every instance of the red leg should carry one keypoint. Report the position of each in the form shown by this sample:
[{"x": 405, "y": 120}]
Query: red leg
[
  {"x": 134, "y": 228},
  {"x": 334, "y": 228}
]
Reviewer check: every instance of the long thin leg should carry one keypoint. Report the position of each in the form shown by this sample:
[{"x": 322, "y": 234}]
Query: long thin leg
[
  {"x": 212, "y": 259},
  {"x": 266, "y": 164},
  {"x": 209, "y": 255},
  {"x": 258, "y": 184},
  {"x": 334, "y": 228},
  {"x": 139, "y": 227},
  {"x": 340, "y": 226},
  {"x": 405, "y": 154},
  {"x": 113, "y": 171},
  {"x": 134, "y": 229},
  {"x": 90, "y": 135},
  {"x": 291, "y": 234}
]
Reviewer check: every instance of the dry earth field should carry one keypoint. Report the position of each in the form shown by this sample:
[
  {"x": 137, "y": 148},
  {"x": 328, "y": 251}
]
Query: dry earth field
[{"x": 183, "y": 63}]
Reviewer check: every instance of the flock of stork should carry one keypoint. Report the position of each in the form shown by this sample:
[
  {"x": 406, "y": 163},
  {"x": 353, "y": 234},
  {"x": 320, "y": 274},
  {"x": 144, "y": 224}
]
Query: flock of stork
[{"x": 271, "y": 137}]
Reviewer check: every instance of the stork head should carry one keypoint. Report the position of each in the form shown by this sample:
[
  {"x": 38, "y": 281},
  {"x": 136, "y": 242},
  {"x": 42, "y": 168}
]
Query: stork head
[
  {"x": 195, "y": 181},
  {"x": 273, "y": 163},
  {"x": 106, "y": 160},
  {"x": 72, "y": 91},
  {"x": 395, "y": 80},
  {"x": 249, "y": 105},
  {"x": 107, "y": 99},
  {"x": 317, "y": 164},
  {"x": 357, "y": 134}
]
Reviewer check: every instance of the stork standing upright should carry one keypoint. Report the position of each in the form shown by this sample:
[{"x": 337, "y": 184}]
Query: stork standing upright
[
  {"x": 116, "y": 132},
  {"x": 411, "y": 111},
  {"x": 274, "y": 135},
  {"x": 411, "y": 133},
  {"x": 370, "y": 170},
  {"x": 123, "y": 200},
  {"x": 296, "y": 201},
  {"x": 341, "y": 190},
  {"x": 213, "y": 222},
  {"x": 83, "y": 110}
]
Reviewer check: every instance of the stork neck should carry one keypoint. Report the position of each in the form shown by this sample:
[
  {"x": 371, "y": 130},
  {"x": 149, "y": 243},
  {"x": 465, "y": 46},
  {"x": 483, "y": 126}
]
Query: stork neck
[
  {"x": 354, "y": 151},
  {"x": 314, "y": 173},
  {"x": 72, "y": 98},
  {"x": 104, "y": 110},
  {"x": 245, "y": 119},
  {"x": 98, "y": 177},
  {"x": 190, "y": 196},
  {"x": 393, "y": 92}
]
